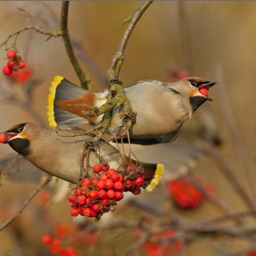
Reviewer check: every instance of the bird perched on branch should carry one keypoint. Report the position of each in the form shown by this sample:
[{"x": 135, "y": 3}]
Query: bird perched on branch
[
  {"x": 161, "y": 108},
  {"x": 63, "y": 152}
]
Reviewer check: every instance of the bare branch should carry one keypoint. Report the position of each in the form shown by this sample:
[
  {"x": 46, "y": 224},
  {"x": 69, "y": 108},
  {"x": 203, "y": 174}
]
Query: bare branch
[
  {"x": 54, "y": 33},
  {"x": 43, "y": 183},
  {"x": 84, "y": 80}
]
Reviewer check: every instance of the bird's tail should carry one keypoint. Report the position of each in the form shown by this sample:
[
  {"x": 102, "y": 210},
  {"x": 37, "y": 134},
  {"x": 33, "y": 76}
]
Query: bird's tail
[
  {"x": 152, "y": 174},
  {"x": 67, "y": 103}
]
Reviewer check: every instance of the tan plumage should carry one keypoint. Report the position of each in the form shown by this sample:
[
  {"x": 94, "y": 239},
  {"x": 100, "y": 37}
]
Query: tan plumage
[
  {"x": 60, "y": 152},
  {"x": 161, "y": 108}
]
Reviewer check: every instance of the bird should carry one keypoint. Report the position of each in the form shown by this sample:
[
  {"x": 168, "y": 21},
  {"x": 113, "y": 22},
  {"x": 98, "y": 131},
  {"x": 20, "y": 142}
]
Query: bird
[
  {"x": 161, "y": 108},
  {"x": 62, "y": 152}
]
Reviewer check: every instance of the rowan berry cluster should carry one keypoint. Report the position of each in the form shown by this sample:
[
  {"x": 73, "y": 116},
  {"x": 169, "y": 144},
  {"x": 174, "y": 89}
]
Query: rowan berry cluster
[
  {"x": 96, "y": 196},
  {"x": 14, "y": 63},
  {"x": 54, "y": 245},
  {"x": 186, "y": 194}
]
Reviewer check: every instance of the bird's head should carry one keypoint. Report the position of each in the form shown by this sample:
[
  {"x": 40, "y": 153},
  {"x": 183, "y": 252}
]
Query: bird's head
[
  {"x": 196, "y": 90},
  {"x": 16, "y": 138}
]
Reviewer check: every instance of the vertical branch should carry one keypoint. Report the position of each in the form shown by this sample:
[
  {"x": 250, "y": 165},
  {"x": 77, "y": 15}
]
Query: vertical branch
[
  {"x": 84, "y": 80},
  {"x": 117, "y": 61}
]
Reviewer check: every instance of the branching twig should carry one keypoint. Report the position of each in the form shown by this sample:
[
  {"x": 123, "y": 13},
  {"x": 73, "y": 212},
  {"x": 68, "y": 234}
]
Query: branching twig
[
  {"x": 54, "y": 33},
  {"x": 43, "y": 183}
]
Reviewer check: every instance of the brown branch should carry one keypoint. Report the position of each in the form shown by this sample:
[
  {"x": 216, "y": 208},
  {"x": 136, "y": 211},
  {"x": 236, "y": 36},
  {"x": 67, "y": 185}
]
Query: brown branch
[
  {"x": 84, "y": 80},
  {"x": 117, "y": 61},
  {"x": 42, "y": 184}
]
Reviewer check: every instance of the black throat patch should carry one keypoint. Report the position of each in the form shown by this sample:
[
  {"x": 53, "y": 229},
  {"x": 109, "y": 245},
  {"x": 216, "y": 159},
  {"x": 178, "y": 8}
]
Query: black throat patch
[
  {"x": 21, "y": 146},
  {"x": 196, "y": 102}
]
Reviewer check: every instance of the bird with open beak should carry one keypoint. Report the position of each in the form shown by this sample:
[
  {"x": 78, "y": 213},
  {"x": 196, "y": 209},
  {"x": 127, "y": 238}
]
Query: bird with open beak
[{"x": 161, "y": 108}]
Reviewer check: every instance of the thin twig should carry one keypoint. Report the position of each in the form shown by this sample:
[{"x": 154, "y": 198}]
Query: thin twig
[
  {"x": 54, "y": 33},
  {"x": 42, "y": 184},
  {"x": 118, "y": 58},
  {"x": 84, "y": 80}
]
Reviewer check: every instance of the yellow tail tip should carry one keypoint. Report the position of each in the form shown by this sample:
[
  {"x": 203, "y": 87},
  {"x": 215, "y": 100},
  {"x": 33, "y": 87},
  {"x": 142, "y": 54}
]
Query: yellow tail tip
[
  {"x": 51, "y": 96},
  {"x": 155, "y": 181}
]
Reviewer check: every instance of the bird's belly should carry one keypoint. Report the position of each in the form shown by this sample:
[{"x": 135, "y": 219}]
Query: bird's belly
[{"x": 152, "y": 125}]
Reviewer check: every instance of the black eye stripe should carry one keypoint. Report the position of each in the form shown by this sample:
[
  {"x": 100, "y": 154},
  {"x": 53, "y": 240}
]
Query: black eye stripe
[
  {"x": 196, "y": 83},
  {"x": 193, "y": 82},
  {"x": 17, "y": 129}
]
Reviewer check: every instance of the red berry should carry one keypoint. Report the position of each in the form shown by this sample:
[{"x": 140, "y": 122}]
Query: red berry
[
  {"x": 22, "y": 64},
  {"x": 93, "y": 213},
  {"x": 111, "y": 193},
  {"x": 104, "y": 202},
  {"x": 74, "y": 205},
  {"x": 118, "y": 186},
  {"x": 10, "y": 63},
  {"x": 104, "y": 176},
  {"x": 114, "y": 177},
  {"x": 118, "y": 195},
  {"x": 97, "y": 207},
  {"x": 111, "y": 172},
  {"x": 78, "y": 192},
  {"x": 136, "y": 191},
  {"x": 120, "y": 177},
  {"x": 105, "y": 167},
  {"x": 46, "y": 239},
  {"x": 96, "y": 168},
  {"x": 93, "y": 194},
  {"x": 131, "y": 167},
  {"x": 11, "y": 54},
  {"x": 89, "y": 203},
  {"x": 100, "y": 184},
  {"x": 74, "y": 212},
  {"x": 72, "y": 198},
  {"x": 85, "y": 182},
  {"x": 109, "y": 184},
  {"x": 128, "y": 183},
  {"x": 87, "y": 212},
  {"x": 81, "y": 199},
  {"x": 102, "y": 194},
  {"x": 94, "y": 181},
  {"x": 6, "y": 70},
  {"x": 139, "y": 181}
]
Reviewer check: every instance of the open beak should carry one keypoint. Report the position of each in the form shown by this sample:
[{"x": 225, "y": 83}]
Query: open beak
[{"x": 204, "y": 87}]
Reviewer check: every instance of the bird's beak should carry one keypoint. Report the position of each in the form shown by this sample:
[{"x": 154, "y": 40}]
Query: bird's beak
[
  {"x": 204, "y": 87},
  {"x": 5, "y": 136},
  {"x": 209, "y": 83}
]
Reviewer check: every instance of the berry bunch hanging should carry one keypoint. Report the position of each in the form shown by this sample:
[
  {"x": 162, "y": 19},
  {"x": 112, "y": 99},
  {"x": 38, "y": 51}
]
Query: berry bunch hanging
[
  {"x": 96, "y": 196},
  {"x": 14, "y": 63}
]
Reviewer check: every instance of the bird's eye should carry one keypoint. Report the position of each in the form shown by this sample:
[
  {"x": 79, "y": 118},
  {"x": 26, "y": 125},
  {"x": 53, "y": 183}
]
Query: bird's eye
[{"x": 193, "y": 82}]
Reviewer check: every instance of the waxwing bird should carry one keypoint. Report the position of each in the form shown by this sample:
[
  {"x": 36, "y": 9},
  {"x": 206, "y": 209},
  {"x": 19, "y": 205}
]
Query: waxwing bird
[
  {"x": 61, "y": 152},
  {"x": 161, "y": 108}
]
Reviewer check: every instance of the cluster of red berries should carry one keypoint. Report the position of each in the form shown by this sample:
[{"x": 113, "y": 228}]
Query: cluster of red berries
[
  {"x": 54, "y": 245},
  {"x": 186, "y": 194},
  {"x": 14, "y": 63},
  {"x": 95, "y": 196}
]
